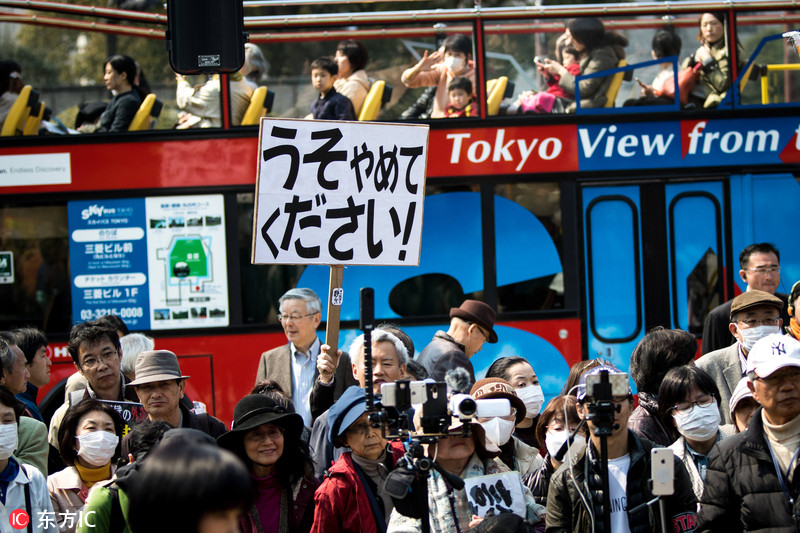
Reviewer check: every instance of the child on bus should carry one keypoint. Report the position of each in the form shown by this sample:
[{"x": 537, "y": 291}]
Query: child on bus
[
  {"x": 532, "y": 102},
  {"x": 462, "y": 99},
  {"x": 330, "y": 105}
]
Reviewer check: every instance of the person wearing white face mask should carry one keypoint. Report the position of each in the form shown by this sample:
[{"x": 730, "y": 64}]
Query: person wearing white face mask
[
  {"x": 754, "y": 315},
  {"x": 689, "y": 400},
  {"x": 553, "y": 429},
  {"x": 88, "y": 441},
  {"x": 19, "y": 482},
  {"x": 439, "y": 68},
  {"x": 519, "y": 373},
  {"x": 499, "y": 440}
]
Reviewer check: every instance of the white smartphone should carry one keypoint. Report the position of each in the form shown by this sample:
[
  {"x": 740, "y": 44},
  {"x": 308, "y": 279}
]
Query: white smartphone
[{"x": 662, "y": 471}]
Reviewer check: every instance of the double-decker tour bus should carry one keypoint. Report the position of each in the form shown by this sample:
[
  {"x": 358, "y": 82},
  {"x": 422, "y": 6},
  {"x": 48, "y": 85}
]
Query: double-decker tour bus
[{"x": 583, "y": 229}]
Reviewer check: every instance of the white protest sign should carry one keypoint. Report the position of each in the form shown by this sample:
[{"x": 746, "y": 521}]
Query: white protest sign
[
  {"x": 336, "y": 192},
  {"x": 495, "y": 494}
]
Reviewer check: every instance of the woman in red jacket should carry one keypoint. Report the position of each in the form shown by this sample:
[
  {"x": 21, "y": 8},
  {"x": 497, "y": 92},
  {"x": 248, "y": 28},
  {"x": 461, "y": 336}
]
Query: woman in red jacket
[{"x": 351, "y": 498}]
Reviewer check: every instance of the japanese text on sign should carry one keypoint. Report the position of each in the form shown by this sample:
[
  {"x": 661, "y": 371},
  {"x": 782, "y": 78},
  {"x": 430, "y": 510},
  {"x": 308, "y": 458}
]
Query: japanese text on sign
[
  {"x": 495, "y": 494},
  {"x": 339, "y": 193}
]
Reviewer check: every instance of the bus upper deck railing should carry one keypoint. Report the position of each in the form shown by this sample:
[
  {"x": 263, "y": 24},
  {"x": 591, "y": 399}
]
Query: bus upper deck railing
[{"x": 418, "y": 29}]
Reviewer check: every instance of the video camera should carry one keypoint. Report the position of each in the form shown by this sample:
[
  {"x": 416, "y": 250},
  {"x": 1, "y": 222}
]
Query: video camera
[{"x": 436, "y": 410}]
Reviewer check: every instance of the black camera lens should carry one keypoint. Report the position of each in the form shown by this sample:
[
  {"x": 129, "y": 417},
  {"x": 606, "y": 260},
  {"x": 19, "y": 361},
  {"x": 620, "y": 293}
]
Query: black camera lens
[{"x": 467, "y": 407}]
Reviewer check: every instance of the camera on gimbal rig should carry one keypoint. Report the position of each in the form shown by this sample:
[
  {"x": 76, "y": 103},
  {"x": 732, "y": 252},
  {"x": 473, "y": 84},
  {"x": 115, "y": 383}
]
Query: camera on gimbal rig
[{"x": 436, "y": 410}]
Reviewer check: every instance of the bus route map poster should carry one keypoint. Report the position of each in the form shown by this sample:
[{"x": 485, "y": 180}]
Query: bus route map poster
[
  {"x": 338, "y": 192},
  {"x": 158, "y": 263}
]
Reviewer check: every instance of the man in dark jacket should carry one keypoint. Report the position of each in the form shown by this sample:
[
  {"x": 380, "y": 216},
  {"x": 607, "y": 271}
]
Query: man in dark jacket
[
  {"x": 160, "y": 387},
  {"x": 628, "y": 474},
  {"x": 471, "y": 325},
  {"x": 760, "y": 269},
  {"x": 752, "y": 482}
]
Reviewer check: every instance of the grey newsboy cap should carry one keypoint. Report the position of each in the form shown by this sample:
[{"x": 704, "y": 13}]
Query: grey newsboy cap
[{"x": 156, "y": 365}]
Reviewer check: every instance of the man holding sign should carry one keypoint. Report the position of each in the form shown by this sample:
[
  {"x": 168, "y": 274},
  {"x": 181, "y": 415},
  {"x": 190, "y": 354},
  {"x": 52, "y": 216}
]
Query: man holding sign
[{"x": 293, "y": 365}]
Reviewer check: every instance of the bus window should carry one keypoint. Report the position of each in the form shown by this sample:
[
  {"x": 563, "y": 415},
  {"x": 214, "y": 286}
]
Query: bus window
[
  {"x": 35, "y": 240},
  {"x": 262, "y": 285},
  {"x": 528, "y": 247}
]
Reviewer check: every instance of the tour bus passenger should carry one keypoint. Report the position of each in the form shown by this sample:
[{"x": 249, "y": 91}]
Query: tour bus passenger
[
  {"x": 556, "y": 423},
  {"x": 120, "y": 79},
  {"x": 330, "y": 105},
  {"x": 461, "y": 99},
  {"x": 266, "y": 436},
  {"x": 499, "y": 440},
  {"x": 439, "y": 68},
  {"x": 255, "y": 66},
  {"x": 200, "y": 105},
  {"x": 188, "y": 487},
  {"x": 599, "y": 50},
  {"x": 689, "y": 401},
  {"x": 352, "y": 81},
  {"x": 666, "y": 43},
  {"x": 555, "y": 99},
  {"x": 10, "y": 86},
  {"x": 519, "y": 373},
  {"x": 658, "y": 352},
  {"x": 23, "y": 486},
  {"x": 713, "y": 53},
  {"x": 89, "y": 444}
]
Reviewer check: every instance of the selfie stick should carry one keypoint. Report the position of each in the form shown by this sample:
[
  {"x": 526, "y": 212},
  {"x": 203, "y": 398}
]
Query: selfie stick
[
  {"x": 602, "y": 398},
  {"x": 366, "y": 324}
]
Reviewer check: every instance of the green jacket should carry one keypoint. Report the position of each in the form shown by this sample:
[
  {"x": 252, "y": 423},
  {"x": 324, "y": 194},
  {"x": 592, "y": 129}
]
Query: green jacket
[
  {"x": 100, "y": 502},
  {"x": 593, "y": 90}
]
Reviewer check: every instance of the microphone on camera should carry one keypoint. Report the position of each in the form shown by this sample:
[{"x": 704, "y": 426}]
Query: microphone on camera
[{"x": 458, "y": 380}]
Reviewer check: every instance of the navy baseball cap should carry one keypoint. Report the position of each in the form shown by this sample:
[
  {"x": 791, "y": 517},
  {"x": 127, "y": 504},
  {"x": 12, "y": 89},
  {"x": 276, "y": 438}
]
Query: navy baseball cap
[{"x": 347, "y": 409}]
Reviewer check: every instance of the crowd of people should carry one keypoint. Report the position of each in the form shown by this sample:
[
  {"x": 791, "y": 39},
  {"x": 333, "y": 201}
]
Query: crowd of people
[
  {"x": 128, "y": 451},
  {"x": 342, "y": 83}
]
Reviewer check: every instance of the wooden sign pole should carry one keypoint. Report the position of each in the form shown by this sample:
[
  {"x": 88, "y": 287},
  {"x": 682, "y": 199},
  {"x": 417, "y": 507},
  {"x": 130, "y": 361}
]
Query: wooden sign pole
[{"x": 335, "y": 296}]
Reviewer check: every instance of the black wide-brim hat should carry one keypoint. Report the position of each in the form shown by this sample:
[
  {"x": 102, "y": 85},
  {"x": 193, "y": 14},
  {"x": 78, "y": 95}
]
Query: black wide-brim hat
[{"x": 255, "y": 410}]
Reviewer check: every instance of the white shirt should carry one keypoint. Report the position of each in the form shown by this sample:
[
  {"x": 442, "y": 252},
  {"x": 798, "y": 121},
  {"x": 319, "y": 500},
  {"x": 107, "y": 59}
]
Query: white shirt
[
  {"x": 304, "y": 365},
  {"x": 617, "y": 485}
]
